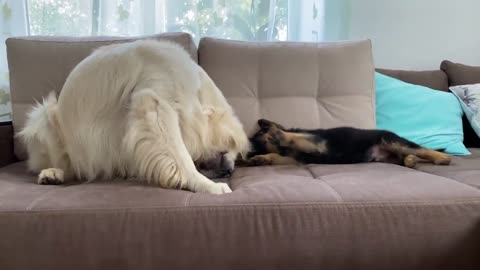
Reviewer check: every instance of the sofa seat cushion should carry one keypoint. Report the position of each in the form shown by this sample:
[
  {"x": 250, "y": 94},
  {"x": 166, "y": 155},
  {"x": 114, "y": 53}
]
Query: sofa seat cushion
[
  {"x": 464, "y": 169},
  {"x": 313, "y": 217},
  {"x": 362, "y": 183}
]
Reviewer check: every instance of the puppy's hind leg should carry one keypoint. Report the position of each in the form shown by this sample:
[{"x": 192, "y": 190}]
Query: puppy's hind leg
[
  {"x": 408, "y": 149},
  {"x": 436, "y": 157},
  {"x": 155, "y": 148}
]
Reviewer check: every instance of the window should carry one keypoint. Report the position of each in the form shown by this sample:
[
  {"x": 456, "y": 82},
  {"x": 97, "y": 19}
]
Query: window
[{"x": 250, "y": 20}]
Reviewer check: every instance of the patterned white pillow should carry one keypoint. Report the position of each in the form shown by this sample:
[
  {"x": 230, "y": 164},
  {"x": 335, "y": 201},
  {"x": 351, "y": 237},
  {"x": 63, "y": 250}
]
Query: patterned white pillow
[{"x": 469, "y": 96}]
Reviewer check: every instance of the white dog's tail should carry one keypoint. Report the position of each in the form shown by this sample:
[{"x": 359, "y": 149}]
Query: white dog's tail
[
  {"x": 42, "y": 116},
  {"x": 41, "y": 132}
]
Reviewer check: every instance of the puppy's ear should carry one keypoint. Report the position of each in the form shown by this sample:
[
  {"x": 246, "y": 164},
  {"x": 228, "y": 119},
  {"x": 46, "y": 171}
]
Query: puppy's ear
[{"x": 264, "y": 124}]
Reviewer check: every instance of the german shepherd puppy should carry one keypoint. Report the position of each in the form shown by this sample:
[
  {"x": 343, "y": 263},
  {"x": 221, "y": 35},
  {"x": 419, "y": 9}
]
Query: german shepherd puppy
[{"x": 276, "y": 145}]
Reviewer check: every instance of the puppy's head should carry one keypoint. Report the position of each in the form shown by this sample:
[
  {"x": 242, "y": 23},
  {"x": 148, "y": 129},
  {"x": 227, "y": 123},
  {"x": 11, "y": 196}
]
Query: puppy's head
[{"x": 262, "y": 140}]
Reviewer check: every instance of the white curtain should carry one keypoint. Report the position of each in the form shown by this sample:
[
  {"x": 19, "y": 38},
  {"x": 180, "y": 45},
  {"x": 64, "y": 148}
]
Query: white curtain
[{"x": 251, "y": 20}]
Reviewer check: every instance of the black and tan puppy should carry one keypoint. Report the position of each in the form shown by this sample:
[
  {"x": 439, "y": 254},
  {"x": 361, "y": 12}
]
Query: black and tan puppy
[{"x": 275, "y": 145}]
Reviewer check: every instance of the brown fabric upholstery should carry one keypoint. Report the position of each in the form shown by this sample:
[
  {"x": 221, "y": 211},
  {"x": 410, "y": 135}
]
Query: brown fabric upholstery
[
  {"x": 6, "y": 144},
  {"x": 366, "y": 216},
  {"x": 463, "y": 169},
  {"x": 305, "y": 85},
  {"x": 459, "y": 74},
  {"x": 435, "y": 79},
  {"x": 39, "y": 65}
]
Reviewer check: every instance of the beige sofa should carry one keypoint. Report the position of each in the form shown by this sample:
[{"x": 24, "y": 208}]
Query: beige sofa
[{"x": 361, "y": 216}]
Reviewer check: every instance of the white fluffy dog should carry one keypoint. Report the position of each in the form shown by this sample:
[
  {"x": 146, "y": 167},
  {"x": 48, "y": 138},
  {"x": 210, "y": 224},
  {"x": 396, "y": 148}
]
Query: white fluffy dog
[{"x": 143, "y": 109}]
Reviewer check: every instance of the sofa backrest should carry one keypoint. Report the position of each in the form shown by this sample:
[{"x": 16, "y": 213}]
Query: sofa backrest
[
  {"x": 307, "y": 85},
  {"x": 435, "y": 79},
  {"x": 39, "y": 65},
  {"x": 304, "y": 85}
]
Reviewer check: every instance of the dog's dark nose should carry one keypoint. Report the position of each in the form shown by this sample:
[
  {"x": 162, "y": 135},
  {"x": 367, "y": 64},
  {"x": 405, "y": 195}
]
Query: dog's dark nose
[{"x": 228, "y": 172}]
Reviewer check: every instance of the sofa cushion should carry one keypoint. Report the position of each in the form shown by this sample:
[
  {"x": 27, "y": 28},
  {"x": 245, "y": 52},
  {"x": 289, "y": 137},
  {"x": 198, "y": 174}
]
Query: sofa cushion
[
  {"x": 459, "y": 74},
  {"x": 379, "y": 216},
  {"x": 373, "y": 182},
  {"x": 462, "y": 169},
  {"x": 469, "y": 98},
  {"x": 309, "y": 85},
  {"x": 435, "y": 79},
  {"x": 418, "y": 119},
  {"x": 39, "y": 65}
]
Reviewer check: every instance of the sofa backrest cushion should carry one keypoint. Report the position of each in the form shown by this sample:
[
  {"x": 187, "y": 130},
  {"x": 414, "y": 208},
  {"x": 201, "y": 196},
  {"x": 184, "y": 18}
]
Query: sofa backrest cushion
[
  {"x": 304, "y": 85},
  {"x": 434, "y": 79},
  {"x": 39, "y": 65},
  {"x": 460, "y": 74}
]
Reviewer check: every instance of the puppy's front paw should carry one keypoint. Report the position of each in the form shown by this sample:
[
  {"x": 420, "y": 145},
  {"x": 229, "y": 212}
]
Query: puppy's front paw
[
  {"x": 50, "y": 176},
  {"x": 260, "y": 160},
  {"x": 219, "y": 188}
]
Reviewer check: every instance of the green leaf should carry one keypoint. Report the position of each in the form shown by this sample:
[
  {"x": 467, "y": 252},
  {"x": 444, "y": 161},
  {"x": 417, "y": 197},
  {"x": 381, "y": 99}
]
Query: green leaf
[
  {"x": 7, "y": 11},
  {"x": 123, "y": 13},
  {"x": 4, "y": 97}
]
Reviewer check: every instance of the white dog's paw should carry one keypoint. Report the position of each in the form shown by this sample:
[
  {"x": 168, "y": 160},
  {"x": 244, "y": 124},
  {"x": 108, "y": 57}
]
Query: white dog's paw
[
  {"x": 50, "y": 176},
  {"x": 219, "y": 188}
]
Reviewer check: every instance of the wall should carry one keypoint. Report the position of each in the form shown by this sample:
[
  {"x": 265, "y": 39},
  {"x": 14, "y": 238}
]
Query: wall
[{"x": 417, "y": 34}]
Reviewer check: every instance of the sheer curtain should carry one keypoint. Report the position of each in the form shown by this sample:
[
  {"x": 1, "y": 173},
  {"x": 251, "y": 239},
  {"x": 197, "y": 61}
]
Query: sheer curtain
[{"x": 251, "y": 20}]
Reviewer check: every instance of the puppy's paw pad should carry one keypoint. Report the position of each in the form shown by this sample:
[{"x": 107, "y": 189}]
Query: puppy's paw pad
[
  {"x": 219, "y": 188},
  {"x": 50, "y": 176}
]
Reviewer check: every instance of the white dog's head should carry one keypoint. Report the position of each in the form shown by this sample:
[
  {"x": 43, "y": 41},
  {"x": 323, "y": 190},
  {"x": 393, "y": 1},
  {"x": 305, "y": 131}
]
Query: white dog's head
[
  {"x": 223, "y": 137},
  {"x": 227, "y": 140}
]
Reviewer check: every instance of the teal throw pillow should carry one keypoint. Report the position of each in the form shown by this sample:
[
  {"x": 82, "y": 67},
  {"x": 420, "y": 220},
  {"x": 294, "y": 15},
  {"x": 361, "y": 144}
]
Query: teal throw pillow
[{"x": 430, "y": 118}]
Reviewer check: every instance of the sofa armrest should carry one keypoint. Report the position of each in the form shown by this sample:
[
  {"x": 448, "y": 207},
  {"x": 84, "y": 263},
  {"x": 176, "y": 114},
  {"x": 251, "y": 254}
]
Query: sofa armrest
[{"x": 6, "y": 144}]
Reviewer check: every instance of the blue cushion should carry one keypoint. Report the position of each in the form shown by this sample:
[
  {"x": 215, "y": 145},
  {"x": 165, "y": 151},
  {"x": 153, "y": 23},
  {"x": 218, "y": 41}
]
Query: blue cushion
[{"x": 430, "y": 118}]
